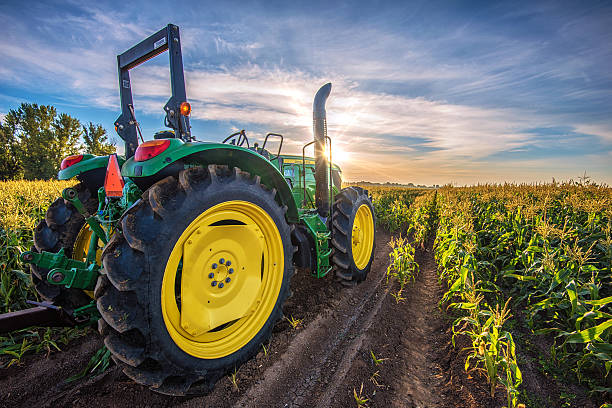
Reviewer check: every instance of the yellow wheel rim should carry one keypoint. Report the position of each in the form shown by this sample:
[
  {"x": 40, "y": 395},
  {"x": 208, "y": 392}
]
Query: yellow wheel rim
[
  {"x": 222, "y": 279},
  {"x": 362, "y": 238},
  {"x": 81, "y": 247}
]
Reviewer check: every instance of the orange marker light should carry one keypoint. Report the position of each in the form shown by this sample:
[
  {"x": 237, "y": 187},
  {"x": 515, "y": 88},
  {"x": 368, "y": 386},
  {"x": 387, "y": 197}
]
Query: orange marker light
[
  {"x": 70, "y": 160},
  {"x": 150, "y": 149},
  {"x": 113, "y": 182},
  {"x": 185, "y": 108}
]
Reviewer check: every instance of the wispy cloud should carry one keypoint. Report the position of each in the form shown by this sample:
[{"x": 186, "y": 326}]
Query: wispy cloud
[{"x": 419, "y": 93}]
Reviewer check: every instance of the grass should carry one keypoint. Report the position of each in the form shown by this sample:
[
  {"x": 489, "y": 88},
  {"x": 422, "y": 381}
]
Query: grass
[
  {"x": 14, "y": 346},
  {"x": 294, "y": 322},
  {"x": 360, "y": 399},
  {"x": 374, "y": 379},
  {"x": 234, "y": 379},
  {"x": 375, "y": 360},
  {"x": 98, "y": 363}
]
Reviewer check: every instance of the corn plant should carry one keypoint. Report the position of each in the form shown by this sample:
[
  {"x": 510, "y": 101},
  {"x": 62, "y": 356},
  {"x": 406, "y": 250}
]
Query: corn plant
[
  {"x": 98, "y": 363},
  {"x": 360, "y": 399},
  {"x": 375, "y": 360},
  {"x": 234, "y": 379},
  {"x": 493, "y": 351},
  {"x": 549, "y": 247},
  {"x": 402, "y": 265},
  {"x": 294, "y": 322},
  {"x": 392, "y": 206},
  {"x": 16, "y": 350}
]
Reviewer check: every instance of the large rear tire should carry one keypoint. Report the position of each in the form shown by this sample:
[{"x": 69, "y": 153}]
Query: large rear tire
[
  {"x": 353, "y": 234},
  {"x": 196, "y": 280},
  {"x": 62, "y": 228}
]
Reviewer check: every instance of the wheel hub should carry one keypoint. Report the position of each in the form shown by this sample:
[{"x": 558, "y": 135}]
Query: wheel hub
[
  {"x": 231, "y": 264},
  {"x": 207, "y": 303},
  {"x": 222, "y": 275},
  {"x": 362, "y": 237}
]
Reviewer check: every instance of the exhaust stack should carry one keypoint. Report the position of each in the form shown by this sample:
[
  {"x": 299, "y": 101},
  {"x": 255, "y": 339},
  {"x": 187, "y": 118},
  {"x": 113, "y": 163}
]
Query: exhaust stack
[{"x": 319, "y": 125}]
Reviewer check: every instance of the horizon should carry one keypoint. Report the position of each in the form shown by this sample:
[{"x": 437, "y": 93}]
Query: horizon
[{"x": 425, "y": 93}]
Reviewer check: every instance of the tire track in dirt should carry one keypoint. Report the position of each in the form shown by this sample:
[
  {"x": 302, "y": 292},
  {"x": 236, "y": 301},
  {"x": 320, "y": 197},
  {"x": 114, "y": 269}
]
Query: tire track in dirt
[
  {"x": 317, "y": 351},
  {"x": 423, "y": 340},
  {"x": 411, "y": 339},
  {"x": 331, "y": 357}
]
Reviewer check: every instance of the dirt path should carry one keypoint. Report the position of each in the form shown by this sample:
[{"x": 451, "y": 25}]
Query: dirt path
[
  {"x": 319, "y": 364},
  {"x": 408, "y": 340}
]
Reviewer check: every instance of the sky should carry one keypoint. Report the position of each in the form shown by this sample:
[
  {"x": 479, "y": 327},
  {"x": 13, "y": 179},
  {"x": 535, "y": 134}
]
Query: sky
[{"x": 427, "y": 92}]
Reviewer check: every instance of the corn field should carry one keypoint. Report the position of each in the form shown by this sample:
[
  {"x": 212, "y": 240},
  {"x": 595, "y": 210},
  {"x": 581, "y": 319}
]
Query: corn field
[
  {"x": 22, "y": 205},
  {"x": 542, "y": 253}
]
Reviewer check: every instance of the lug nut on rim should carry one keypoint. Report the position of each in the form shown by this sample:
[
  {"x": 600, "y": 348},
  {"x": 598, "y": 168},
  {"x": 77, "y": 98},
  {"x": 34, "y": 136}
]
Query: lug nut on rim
[
  {"x": 214, "y": 283},
  {"x": 211, "y": 275},
  {"x": 214, "y": 266},
  {"x": 221, "y": 261},
  {"x": 220, "y": 285},
  {"x": 227, "y": 280}
]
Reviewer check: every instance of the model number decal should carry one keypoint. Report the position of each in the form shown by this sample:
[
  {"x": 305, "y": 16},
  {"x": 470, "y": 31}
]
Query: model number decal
[{"x": 159, "y": 43}]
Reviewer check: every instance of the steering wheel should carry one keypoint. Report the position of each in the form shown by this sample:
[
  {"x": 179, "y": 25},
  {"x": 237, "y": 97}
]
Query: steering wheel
[{"x": 238, "y": 139}]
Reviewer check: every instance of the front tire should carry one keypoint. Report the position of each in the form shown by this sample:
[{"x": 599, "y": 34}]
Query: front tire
[
  {"x": 353, "y": 235},
  {"x": 196, "y": 280}
]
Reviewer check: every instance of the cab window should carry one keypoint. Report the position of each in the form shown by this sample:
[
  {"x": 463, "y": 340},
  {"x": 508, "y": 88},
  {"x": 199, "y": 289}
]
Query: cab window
[{"x": 289, "y": 171}]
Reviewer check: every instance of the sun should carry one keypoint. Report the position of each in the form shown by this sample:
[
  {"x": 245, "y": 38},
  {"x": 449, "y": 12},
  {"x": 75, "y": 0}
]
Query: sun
[{"x": 338, "y": 155}]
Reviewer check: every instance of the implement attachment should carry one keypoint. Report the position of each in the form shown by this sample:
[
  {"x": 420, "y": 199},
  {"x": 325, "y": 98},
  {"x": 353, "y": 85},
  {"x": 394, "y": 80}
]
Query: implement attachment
[
  {"x": 63, "y": 270},
  {"x": 44, "y": 314}
]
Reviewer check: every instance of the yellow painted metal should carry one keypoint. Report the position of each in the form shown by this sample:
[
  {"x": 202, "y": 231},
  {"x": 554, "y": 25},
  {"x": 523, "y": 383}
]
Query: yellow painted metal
[
  {"x": 298, "y": 161},
  {"x": 222, "y": 306},
  {"x": 81, "y": 247},
  {"x": 362, "y": 238}
]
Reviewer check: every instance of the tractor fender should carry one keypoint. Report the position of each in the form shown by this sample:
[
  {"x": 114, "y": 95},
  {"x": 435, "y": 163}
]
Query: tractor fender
[
  {"x": 180, "y": 155},
  {"x": 90, "y": 171}
]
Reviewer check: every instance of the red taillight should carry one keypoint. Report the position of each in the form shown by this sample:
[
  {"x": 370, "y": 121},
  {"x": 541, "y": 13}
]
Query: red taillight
[
  {"x": 70, "y": 160},
  {"x": 150, "y": 149}
]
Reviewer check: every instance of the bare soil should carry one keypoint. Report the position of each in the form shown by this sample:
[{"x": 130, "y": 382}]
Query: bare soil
[{"x": 324, "y": 362}]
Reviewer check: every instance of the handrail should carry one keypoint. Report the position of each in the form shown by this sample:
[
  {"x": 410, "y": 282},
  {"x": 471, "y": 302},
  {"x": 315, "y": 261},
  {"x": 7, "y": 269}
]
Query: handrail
[
  {"x": 304, "y": 171},
  {"x": 279, "y": 147}
]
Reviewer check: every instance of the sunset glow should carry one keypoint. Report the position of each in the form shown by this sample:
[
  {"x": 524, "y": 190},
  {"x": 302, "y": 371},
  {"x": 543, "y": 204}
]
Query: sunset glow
[{"x": 428, "y": 94}]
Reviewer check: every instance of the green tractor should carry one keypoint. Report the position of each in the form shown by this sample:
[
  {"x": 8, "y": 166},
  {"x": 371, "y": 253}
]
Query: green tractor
[{"x": 182, "y": 250}]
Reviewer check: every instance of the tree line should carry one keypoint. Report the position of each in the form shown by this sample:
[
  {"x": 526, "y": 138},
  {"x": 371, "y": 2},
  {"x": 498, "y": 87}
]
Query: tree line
[{"x": 35, "y": 138}]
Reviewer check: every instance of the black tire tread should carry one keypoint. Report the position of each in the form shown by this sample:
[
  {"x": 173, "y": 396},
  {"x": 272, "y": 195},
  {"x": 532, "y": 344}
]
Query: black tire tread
[
  {"x": 123, "y": 290},
  {"x": 345, "y": 206},
  {"x": 58, "y": 230}
]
